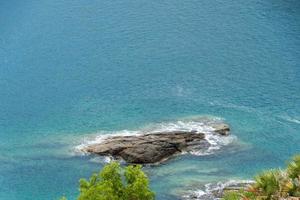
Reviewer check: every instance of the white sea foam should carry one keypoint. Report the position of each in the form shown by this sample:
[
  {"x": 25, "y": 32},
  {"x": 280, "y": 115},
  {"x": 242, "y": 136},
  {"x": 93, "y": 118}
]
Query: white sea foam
[
  {"x": 199, "y": 124},
  {"x": 290, "y": 119},
  {"x": 99, "y": 137},
  {"x": 213, "y": 191},
  {"x": 104, "y": 159}
]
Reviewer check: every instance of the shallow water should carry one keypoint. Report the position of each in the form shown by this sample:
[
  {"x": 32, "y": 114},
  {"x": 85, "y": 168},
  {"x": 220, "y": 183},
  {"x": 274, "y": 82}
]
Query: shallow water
[{"x": 71, "y": 69}]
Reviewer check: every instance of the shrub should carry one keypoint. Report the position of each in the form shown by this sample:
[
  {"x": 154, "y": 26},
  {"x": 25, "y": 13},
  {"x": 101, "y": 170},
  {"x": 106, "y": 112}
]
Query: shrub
[
  {"x": 237, "y": 195},
  {"x": 293, "y": 168},
  {"x": 137, "y": 187},
  {"x": 272, "y": 184},
  {"x": 231, "y": 195},
  {"x": 115, "y": 183},
  {"x": 267, "y": 183}
]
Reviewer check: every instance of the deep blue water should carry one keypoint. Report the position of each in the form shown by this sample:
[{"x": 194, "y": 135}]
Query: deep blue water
[{"x": 69, "y": 68}]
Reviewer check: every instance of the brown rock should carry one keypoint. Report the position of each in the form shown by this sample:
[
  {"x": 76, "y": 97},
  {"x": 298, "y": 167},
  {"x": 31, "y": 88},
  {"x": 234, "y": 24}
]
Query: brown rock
[
  {"x": 152, "y": 147},
  {"x": 222, "y": 128}
]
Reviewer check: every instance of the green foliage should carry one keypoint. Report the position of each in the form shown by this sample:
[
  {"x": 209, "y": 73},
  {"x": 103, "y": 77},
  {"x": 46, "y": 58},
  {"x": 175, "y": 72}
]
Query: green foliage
[
  {"x": 293, "y": 172},
  {"x": 285, "y": 184},
  {"x": 114, "y": 183},
  {"x": 231, "y": 195},
  {"x": 63, "y": 198},
  {"x": 237, "y": 195},
  {"x": 137, "y": 184},
  {"x": 267, "y": 183},
  {"x": 293, "y": 168},
  {"x": 272, "y": 184}
]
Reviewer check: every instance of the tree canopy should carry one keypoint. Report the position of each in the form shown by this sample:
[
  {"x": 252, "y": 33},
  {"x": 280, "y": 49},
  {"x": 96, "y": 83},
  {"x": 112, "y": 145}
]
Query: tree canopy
[{"x": 116, "y": 183}]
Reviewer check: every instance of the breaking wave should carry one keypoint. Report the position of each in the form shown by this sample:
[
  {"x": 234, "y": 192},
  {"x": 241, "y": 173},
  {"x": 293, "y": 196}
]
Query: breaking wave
[{"x": 214, "y": 191}]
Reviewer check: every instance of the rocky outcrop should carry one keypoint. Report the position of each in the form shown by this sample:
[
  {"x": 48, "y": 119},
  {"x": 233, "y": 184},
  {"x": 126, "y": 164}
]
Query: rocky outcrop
[
  {"x": 153, "y": 147},
  {"x": 213, "y": 191}
]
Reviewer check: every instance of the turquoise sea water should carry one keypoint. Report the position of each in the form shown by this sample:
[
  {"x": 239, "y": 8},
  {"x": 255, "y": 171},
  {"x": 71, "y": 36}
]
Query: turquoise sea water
[{"x": 74, "y": 68}]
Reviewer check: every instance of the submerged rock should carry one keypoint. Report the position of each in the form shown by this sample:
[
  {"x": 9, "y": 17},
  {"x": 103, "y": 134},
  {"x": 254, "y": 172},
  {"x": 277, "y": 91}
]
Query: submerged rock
[
  {"x": 221, "y": 128},
  {"x": 153, "y": 147}
]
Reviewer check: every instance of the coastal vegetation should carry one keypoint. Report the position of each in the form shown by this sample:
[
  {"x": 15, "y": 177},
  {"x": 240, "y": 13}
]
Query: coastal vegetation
[
  {"x": 116, "y": 183},
  {"x": 274, "y": 184}
]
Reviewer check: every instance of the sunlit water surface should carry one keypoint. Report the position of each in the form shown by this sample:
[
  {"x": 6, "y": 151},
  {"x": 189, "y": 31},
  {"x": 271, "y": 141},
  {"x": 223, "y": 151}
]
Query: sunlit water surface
[{"x": 71, "y": 69}]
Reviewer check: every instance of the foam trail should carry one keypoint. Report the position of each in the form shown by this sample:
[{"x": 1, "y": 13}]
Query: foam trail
[{"x": 291, "y": 119}]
